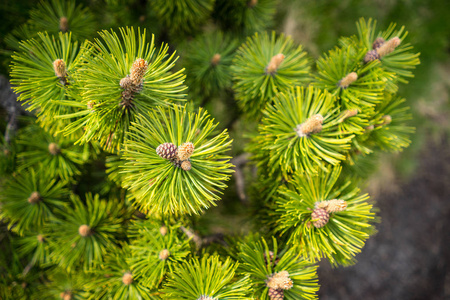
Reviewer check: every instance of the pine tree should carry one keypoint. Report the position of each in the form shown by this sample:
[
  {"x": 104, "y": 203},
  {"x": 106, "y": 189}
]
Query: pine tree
[{"x": 107, "y": 184}]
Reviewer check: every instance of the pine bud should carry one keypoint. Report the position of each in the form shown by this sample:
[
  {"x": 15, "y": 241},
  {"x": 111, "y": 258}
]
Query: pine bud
[
  {"x": 274, "y": 63},
  {"x": 59, "y": 66},
  {"x": 126, "y": 83},
  {"x": 167, "y": 150},
  {"x": 319, "y": 217},
  {"x": 34, "y": 198},
  {"x": 185, "y": 151},
  {"x": 387, "y": 119},
  {"x": 332, "y": 206},
  {"x": 164, "y": 254},
  {"x": 138, "y": 70},
  {"x": 347, "y": 80},
  {"x": 40, "y": 238},
  {"x": 127, "y": 278},
  {"x": 378, "y": 43},
  {"x": 371, "y": 55},
  {"x": 84, "y": 230},
  {"x": 53, "y": 148},
  {"x": 348, "y": 114},
  {"x": 370, "y": 127},
  {"x": 388, "y": 47},
  {"x": 279, "y": 280},
  {"x": 163, "y": 230},
  {"x": 215, "y": 60},
  {"x": 63, "y": 24},
  {"x": 276, "y": 294},
  {"x": 311, "y": 125},
  {"x": 186, "y": 165}
]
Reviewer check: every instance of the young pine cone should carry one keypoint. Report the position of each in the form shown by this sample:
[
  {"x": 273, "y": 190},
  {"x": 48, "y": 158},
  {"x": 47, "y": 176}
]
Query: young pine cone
[
  {"x": 167, "y": 150},
  {"x": 320, "y": 217},
  {"x": 276, "y": 294},
  {"x": 185, "y": 151}
]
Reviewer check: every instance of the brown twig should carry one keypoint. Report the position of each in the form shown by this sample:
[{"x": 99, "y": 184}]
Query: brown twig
[
  {"x": 239, "y": 162},
  {"x": 203, "y": 241}
]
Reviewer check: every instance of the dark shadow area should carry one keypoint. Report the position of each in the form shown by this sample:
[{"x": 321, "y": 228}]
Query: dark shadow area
[{"x": 409, "y": 257}]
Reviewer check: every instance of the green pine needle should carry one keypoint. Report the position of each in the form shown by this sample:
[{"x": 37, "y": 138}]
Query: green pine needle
[
  {"x": 346, "y": 231},
  {"x": 208, "y": 64},
  {"x": 208, "y": 277},
  {"x": 362, "y": 94},
  {"x": 57, "y": 154},
  {"x": 158, "y": 185},
  {"x": 182, "y": 16},
  {"x": 103, "y": 113},
  {"x": 148, "y": 249},
  {"x": 23, "y": 208},
  {"x": 260, "y": 263},
  {"x": 86, "y": 232},
  {"x": 243, "y": 17},
  {"x": 116, "y": 280},
  {"x": 279, "y": 147},
  {"x": 401, "y": 61},
  {"x": 255, "y": 87},
  {"x": 35, "y": 80}
]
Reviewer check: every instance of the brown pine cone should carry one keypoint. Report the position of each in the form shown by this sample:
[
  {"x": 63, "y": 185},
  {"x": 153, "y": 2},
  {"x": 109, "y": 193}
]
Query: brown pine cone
[
  {"x": 167, "y": 150},
  {"x": 319, "y": 217},
  {"x": 276, "y": 294}
]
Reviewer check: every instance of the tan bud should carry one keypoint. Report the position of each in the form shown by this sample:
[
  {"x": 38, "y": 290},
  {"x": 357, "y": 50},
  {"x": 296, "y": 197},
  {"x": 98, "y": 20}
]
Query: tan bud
[
  {"x": 127, "y": 278},
  {"x": 138, "y": 70},
  {"x": 347, "y": 80},
  {"x": 274, "y": 63},
  {"x": 280, "y": 280},
  {"x": 387, "y": 119},
  {"x": 59, "y": 66},
  {"x": 84, "y": 230},
  {"x": 34, "y": 198},
  {"x": 215, "y": 60},
  {"x": 40, "y": 238},
  {"x": 388, "y": 47},
  {"x": 163, "y": 230},
  {"x": 63, "y": 24},
  {"x": 53, "y": 148},
  {"x": 185, "y": 151},
  {"x": 311, "y": 125},
  {"x": 331, "y": 206},
  {"x": 164, "y": 254}
]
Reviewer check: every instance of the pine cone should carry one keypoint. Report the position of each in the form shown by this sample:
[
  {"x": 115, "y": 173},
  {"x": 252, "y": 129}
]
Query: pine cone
[
  {"x": 167, "y": 150},
  {"x": 138, "y": 70},
  {"x": 186, "y": 165},
  {"x": 371, "y": 55},
  {"x": 276, "y": 294},
  {"x": 320, "y": 217},
  {"x": 185, "y": 151}
]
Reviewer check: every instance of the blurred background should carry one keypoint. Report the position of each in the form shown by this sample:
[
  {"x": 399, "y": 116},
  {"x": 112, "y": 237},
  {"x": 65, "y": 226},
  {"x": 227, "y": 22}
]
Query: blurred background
[{"x": 409, "y": 257}]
